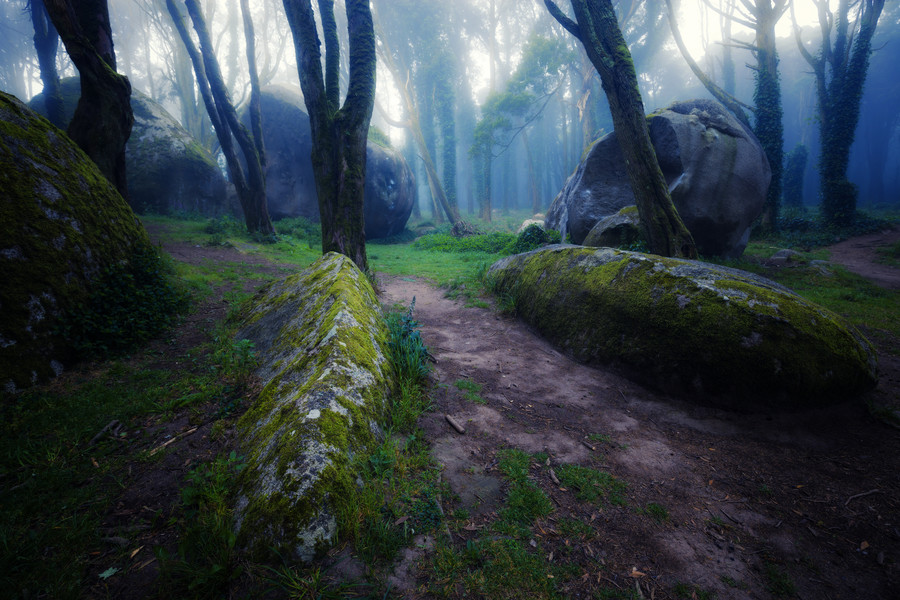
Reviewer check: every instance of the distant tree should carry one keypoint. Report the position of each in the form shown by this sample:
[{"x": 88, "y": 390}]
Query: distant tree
[
  {"x": 794, "y": 166},
  {"x": 103, "y": 119},
  {"x": 442, "y": 191},
  {"x": 339, "y": 132},
  {"x": 250, "y": 187},
  {"x": 508, "y": 114},
  {"x": 761, "y": 17},
  {"x": 46, "y": 43},
  {"x": 598, "y": 30},
  {"x": 840, "y": 68}
]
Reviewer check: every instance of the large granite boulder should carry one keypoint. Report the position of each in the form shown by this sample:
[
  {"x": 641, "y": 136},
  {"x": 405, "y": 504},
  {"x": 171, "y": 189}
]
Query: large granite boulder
[
  {"x": 717, "y": 173},
  {"x": 291, "y": 187},
  {"x": 61, "y": 225},
  {"x": 713, "y": 334},
  {"x": 168, "y": 170},
  {"x": 322, "y": 348}
]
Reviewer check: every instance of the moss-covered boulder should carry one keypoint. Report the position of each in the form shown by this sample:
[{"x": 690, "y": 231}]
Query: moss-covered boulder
[
  {"x": 61, "y": 225},
  {"x": 321, "y": 343},
  {"x": 168, "y": 170},
  {"x": 622, "y": 229},
  {"x": 714, "y": 334}
]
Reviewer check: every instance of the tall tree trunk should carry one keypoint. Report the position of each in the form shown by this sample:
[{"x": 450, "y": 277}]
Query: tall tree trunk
[
  {"x": 598, "y": 30},
  {"x": 103, "y": 119},
  {"x": 250, "y": 187},
  {"x": 46, "y": 43},
  {"x": 532, "y": 175},
  {"x": 339, "y": 133},
  {"x": 840, "y": 69},
  {"x": 769, "y": 127}
]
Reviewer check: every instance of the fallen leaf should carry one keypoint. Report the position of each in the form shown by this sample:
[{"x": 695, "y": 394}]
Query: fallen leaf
[
  {"x": 864, "y": 545},
  {"x": 635, "y": 573},
  {"x": 95, "y": 463},
  {"x": 108, "y": 573},
  {"x": 401, "y": 520},
  {"x": 532, "y": 543},
  {"x": 135, "y": 551}
]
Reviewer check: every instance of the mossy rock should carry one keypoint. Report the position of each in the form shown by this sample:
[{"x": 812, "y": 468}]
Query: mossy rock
[
  {"x": 169, "y": 172},
  {"x": 61, "y": 225},
  {"x": 322, "y": 346},
  {"x": 619, "y": 230},
  {"x": 713, "y": 334}
]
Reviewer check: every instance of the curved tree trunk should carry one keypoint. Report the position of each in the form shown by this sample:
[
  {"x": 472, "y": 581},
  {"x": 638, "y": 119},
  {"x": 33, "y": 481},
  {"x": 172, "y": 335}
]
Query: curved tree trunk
[
  {"x": 103, "y": 119},
  {"x": 598, "y": 30}
]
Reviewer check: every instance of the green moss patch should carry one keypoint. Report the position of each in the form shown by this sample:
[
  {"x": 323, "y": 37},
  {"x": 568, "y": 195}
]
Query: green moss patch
[
  {"x": 708, "y": 332},
  {"x": 321, "y": 341}
]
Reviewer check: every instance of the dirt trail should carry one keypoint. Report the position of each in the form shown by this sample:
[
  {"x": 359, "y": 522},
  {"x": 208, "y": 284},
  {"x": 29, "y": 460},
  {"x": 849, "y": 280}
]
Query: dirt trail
[
  {"x": 860, "y": 254},
  {"x": 746, "y": 493}
]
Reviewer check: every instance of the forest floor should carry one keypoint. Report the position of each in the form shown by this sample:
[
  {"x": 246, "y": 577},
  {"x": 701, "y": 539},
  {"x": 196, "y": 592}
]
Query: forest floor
[{"x": 701, "y": 502}]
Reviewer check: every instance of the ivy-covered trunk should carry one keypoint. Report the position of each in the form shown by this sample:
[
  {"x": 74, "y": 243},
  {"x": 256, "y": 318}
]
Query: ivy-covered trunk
[
  {"x": 768, "y": 126},
  {"x": 598, "y": 30}
]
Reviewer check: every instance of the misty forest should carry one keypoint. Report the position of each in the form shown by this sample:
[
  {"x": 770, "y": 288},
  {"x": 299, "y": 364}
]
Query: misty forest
[{"x": 471, "y": 299}]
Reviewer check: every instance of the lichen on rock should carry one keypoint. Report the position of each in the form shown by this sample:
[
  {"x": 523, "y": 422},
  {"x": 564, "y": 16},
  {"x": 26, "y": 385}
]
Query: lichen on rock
[
  {"x": 321, "y": 343},
  {"x": 710, "y": 333},
  {"x": 61, "y": 224}
]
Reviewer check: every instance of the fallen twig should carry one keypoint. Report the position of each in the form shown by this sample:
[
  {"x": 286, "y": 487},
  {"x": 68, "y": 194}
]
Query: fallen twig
[
  {"x": 455, "y": 424},
  {"x": 172, "y": 440},
  {"x": 855, "y": 496},
  {"x": 112, "y": 425}
]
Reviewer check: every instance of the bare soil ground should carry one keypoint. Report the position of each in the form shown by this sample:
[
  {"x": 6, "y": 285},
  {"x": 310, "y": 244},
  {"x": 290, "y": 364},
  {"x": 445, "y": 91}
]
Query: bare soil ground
[{"x": 754, "y": 500}]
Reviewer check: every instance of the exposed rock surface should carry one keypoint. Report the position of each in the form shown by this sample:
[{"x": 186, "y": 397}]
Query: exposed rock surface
[
  {"x": 321, "y": 343},
  {"x": 291, "y": 187},
  {"x": 717, "y": 173},
  {"x": 61, "y": 224},
  {"x": 620, "y": 229},
  {"x": 714, "y": 334},
  {"x": 168, "y": 170}
]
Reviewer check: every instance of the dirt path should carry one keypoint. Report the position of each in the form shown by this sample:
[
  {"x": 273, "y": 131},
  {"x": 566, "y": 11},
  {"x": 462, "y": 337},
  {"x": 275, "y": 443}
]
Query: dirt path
[
  {"x": 813, "y": 496},
  {"x": 860, "y": 255}
]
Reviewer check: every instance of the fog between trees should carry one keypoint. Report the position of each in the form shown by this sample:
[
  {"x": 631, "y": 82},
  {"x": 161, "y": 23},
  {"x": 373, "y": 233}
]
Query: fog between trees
[{"x": 445, "y": 67}]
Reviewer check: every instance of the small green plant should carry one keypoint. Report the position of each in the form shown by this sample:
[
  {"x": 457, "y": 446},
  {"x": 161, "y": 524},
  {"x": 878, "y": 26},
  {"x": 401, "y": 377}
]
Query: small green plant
[
  {"x": 409, "y": 355},
  {"x": 532, "y": 238},
  {"x": 470, "y": 390},
  {"x": 491, "y": 243},
  {"x": 236, "y": 360},
  {"x": 591, "y": 485}
]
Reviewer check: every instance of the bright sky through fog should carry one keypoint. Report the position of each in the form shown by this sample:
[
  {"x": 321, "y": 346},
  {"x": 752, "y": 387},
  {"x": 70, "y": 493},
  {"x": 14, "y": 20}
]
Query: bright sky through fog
[{"x": 695, "y": 19}]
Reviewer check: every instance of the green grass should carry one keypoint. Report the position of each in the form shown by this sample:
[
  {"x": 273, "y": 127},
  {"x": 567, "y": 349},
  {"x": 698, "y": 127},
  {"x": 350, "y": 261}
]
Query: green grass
[
  {"x": 50, "y": 512},
  {"x": 890, "y": 255},
  {"x": 470, "y": 390},
  {"x": 591, "y": 485},
  {"x": 692, "y": 592},
  {"x": 655, "y": 511}
]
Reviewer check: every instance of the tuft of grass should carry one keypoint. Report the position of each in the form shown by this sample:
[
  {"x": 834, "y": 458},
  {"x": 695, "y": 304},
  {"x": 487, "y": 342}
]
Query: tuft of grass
[
  {"x": 778, "y": 582},
  {"x": 206, "y": 559},
  {"x": 655, "y": 511},
  {"x": 591, "y": 485},
  {"x": 470, "y": 390}
]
